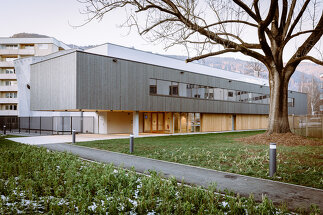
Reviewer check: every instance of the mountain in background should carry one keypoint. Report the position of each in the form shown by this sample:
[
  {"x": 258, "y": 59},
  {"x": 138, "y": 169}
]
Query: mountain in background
[
  {"x": 304, "y": 72},
  {"x": 29, "y": 35}
]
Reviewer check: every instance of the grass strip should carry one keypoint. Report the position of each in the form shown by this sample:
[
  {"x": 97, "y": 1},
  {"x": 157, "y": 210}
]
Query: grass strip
[{"x": 302, "y": 165}]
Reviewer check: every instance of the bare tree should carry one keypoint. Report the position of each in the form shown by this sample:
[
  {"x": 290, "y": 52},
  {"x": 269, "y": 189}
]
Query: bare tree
[
  {"x": 259, "y": 70},
  {"x": 214, "y": 27}
]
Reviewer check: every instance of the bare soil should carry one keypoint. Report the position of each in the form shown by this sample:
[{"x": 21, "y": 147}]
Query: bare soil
[{"x": 288, "y": 139}]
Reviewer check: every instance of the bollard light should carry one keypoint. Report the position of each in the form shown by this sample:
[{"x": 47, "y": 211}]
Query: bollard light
[
  {"x": 132, "y": 141},
  {"x": 272, "y": 159},
  {"x": 73, "y": 136},
  {"x": 4, "y": 130}
]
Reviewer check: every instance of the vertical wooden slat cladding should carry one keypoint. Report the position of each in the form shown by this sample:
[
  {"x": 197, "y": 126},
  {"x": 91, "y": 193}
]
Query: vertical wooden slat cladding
[
  {"x": 216, "y": 122},
  {"x": 53, "y": 83},
  {"x": 248, "y": 121}
]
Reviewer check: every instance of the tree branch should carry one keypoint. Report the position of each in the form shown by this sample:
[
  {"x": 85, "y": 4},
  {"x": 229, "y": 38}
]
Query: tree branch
[
  {"x": 210, "y": 54},
  {"x": 298, "y": 18},
  {"x": 247, "y": 9},
  {"x": 231, "y": 21},
  {"x": 314, "y": 60}
]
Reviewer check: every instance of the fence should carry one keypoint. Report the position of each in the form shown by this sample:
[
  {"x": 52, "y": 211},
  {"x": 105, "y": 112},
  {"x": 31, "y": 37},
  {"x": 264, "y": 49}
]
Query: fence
[
  {"x": 53, "y": 125},
  {"x": 308, "y": 125}
]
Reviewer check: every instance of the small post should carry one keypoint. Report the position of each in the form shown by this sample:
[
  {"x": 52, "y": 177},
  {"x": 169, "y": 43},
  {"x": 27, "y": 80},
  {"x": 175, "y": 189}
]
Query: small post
[
  {"x": 132, "y": 140},
  {"x": 73, "y": 136},
  {"x": 272, "y": 159},
  {"x": 4, "y": 130}
]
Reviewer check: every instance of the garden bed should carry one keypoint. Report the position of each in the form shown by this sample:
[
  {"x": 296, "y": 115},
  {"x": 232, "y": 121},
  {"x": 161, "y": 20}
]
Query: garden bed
[{"x": 35, "y": 180}]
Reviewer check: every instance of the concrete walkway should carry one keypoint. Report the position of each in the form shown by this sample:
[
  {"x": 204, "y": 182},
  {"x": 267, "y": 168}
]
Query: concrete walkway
[{"x": 293, "y": 195}]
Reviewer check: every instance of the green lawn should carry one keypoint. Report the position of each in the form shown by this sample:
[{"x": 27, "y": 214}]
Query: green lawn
[
  {"x": 296, "y": 164},
  {"x": 34, "y": 181}
]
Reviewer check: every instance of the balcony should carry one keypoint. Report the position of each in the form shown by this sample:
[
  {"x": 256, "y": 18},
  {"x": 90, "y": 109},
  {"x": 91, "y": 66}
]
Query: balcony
[
  {"x": 9, "y": 88},
  {"x": 6, "y": 64},
  {"x": 8, "y": 112},
  {"x": 8, "y": 100},
  {"x": 8, "y": 76},
  {"x": 17, "y": 51}
]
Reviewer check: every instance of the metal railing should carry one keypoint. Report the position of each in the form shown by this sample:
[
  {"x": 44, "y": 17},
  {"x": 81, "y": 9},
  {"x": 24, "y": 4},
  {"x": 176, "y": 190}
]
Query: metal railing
[{"x": 48, "y": 125}]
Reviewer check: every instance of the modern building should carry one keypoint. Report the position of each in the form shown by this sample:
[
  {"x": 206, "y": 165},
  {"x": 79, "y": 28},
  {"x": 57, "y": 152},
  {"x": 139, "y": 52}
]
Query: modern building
[
  {"x": 135, "y": 92},
  {"x": 12, "y": 49}
]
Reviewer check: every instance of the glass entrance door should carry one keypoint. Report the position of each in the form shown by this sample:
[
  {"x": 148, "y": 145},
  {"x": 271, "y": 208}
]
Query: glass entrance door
[{"x": 156, "y": 122}]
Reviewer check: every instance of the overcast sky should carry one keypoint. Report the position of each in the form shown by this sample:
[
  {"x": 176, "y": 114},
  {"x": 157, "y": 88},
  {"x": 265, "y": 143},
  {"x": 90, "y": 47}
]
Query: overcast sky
[{"x": 56, "y": 18}]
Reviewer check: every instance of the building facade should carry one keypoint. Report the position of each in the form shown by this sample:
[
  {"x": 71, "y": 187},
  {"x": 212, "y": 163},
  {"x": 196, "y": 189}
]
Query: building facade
[
  {"x": 131, "y": 95},
  {"x": 12, "y": 49}
]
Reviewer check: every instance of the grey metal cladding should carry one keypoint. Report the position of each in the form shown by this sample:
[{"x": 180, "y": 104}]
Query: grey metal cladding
[
  {"x": 53, "y": 83},
  {"x": 105, "y": 83}
]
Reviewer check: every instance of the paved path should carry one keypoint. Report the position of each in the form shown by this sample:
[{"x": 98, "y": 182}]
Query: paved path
[{"x": 295, "y": 196}]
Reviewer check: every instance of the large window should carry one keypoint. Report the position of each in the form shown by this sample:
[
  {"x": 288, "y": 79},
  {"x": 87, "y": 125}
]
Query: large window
[
  {"x": 171, "y": 88},
  {"x": 163, "y": 87}
]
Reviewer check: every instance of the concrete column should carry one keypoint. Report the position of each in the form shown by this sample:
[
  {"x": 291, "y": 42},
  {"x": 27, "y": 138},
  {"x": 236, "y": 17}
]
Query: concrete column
[{"x": 135, "y": 123}]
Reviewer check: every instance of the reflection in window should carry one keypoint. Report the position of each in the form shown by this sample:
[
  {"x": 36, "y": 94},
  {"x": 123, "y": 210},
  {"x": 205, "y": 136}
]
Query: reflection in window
[
  {"x": 218, "y": 94},
  {"x": 169, "y": 88},
  {"x": 173, "y": 89},
  {"x": 291, "y": 102},
  {"x": 152, "y": 86},
  {"x": 163, "y": 87},
  {"x": 183, "y": 90},
  {"x": 201, "y": 91},
  {"x": 209, "y": 93}
]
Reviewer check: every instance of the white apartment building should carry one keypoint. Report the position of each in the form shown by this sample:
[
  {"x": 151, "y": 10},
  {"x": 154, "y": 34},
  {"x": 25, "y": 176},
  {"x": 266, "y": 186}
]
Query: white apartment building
[{"x": 16, "y": 48}]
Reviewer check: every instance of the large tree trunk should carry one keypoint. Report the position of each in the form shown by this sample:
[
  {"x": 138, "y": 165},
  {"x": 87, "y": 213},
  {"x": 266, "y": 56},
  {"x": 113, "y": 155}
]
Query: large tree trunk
[{"x": 278, "y": 112}]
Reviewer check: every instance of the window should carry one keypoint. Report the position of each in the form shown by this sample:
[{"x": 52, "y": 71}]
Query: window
[
  {"x": 173, "y": 89},
  {"x": 202, "y": 90},
  {"x": 11, "y": 107},
  {"x": 291, "y": 102},
  {"x": 163, "y": 87},
  {"x": 29, "y": 46},
  {"x": 10, "y": 71},
  {"x": 218, "y": 94},
  {"x": 11, "y": 95},
  {"x": 184, "y": 91},
  {"x": 152, "y": 86},
  {"x": 210, "y": 93},
  {"x": 12, "y": 46},
  {"x": 10, "y": 83},
  {"x": 190, "y": 90},
  {"x": 43, "y": 46},
  {"x": 11, "y": 59}
]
